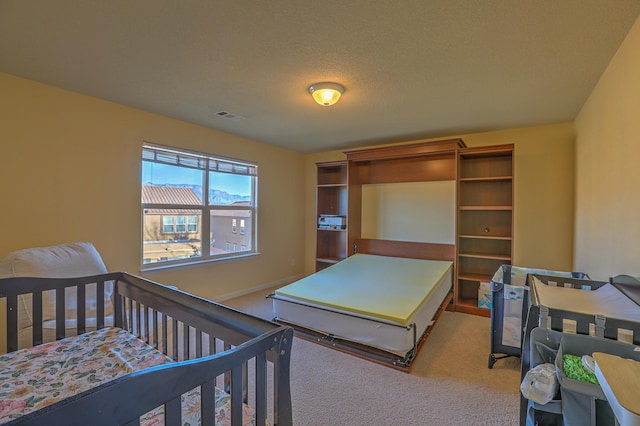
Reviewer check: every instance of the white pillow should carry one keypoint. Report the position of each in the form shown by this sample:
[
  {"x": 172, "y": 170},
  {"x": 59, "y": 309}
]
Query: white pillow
[{"x": 61, "y": 261}]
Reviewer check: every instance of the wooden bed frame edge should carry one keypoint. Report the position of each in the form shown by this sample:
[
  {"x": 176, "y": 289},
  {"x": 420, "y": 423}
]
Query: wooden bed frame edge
[{"x": 410, "y": 249}]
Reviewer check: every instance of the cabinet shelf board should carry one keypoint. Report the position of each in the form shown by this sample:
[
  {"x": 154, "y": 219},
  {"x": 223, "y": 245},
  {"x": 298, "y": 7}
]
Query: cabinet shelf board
[
  {"x": 331, "y": 230},
  {"x": 475, "y": 277},
  {"x": 487, "y": 179},
  {"x": 486, "y": 256},
  {"x": 470, "y": 306},
  {"x": 485, "y": 237},
  {"x": 485, "y": 208},
  {"x": 332, "y": 185}
]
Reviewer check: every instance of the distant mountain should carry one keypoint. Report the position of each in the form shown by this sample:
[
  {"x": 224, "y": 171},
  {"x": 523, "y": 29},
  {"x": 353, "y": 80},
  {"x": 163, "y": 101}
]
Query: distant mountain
[{"x": 217, "y": 196}]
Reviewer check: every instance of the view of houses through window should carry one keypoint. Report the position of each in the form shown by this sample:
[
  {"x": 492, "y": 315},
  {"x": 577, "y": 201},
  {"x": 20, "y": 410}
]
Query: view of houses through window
[{"x": 196, "y": 206}]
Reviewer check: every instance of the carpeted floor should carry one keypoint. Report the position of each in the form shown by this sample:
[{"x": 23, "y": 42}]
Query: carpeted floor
[{"x": 450, "y": 383}]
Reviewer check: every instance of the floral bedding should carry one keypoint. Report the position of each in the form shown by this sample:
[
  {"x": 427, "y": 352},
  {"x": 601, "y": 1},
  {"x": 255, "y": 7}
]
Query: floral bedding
[{"x": 33, "y": 378}]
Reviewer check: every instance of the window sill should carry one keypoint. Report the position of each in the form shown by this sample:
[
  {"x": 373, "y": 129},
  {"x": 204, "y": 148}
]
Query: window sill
[{"x": 173, "y": 266}]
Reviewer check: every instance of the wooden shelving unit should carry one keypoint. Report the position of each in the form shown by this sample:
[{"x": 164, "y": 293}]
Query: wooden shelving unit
[
  {"x": 484, "y": 220},
  {"x": 331, "y": 199}
]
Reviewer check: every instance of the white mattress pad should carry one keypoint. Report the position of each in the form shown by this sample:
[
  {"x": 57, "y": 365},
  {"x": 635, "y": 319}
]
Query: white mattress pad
[
  {"x": 606, "y": 300},
  {"x": 388, "y": 288}
]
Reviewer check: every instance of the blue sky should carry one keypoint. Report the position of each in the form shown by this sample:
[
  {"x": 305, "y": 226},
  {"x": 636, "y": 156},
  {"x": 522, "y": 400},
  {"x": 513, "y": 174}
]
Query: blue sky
[{"x": 161, "y": 174}]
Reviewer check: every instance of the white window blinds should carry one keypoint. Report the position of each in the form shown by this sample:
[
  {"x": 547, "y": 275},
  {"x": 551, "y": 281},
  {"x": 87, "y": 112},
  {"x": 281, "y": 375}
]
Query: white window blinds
[{"x": 198, "y": 161}]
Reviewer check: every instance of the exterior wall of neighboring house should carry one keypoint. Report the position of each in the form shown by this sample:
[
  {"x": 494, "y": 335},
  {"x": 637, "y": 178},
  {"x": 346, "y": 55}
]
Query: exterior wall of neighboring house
[
  {"x": 169, "y": 234},
  {"x": 165, "y": 240},
  {"x": 231, "y": 231},
  {"x": 161, "y": 245}
]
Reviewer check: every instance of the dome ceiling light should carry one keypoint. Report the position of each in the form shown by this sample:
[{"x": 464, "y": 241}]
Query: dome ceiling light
[{"x": 326, "y": 94}]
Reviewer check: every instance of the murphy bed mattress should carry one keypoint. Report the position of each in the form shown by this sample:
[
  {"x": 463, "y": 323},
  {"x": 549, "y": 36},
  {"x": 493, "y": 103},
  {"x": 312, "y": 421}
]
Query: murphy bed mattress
[{"x": 369, "y": 299}]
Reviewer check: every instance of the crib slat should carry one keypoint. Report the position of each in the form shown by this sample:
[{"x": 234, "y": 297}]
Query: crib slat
[
  {"x": 164, "y": 334},
  {"x": 227, "y": 375},
  {"x": 174, "y": 339},
  {"x": 172, "y": 412},
  {"x": 137, "y": 328},
  {"x": 156, "y": 320},
  {"x": 208, "y": 403},
  {"x": 129, "y": 315},
  {"x": 198, "y": 344},
  {"x": 12, "y": 323},
  {"x": 118, "y": 311},
  {"x": 212, "y": 345},
  {"x": 100, "y": 304},
  {"x": 236, "y": 396},
  {"x": 261, "y": 389},
  {"x": 185, "y": 341},
  {"x": 144, "y": 324},
  {"x": 81, "y": 309},
  {"x": 36, "y": 314},
  {"x": 60, "y": 308}
]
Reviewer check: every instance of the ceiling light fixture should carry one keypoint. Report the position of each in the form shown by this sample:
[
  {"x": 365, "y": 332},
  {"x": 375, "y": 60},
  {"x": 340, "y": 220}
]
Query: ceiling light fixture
[{"x": 326, "y": 94}]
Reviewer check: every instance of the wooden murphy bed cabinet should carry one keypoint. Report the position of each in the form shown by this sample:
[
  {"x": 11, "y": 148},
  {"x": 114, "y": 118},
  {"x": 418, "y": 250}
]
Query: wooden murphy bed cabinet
[
  {"x": 484, "y": 220},
  {"x": 416, "y": 162},
  {"x": 484, "y": 210}
]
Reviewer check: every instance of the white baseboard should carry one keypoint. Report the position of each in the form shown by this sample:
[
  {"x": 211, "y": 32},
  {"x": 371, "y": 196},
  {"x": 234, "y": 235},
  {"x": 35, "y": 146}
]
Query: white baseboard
[{"x": 258, "y": 288}]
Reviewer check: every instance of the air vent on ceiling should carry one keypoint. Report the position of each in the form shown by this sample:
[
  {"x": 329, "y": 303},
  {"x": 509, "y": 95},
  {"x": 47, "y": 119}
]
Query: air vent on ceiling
[{"x": 229, "y": 116}]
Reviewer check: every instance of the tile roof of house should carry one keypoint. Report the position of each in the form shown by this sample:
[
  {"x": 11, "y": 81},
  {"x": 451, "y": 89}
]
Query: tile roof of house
[
  {"x": 176, "y": 195},
  {"x": 153, "y": 194}
]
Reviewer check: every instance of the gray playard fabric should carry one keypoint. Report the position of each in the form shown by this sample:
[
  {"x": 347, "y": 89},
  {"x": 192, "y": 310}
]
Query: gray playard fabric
[{"x": 514, "y": 279}]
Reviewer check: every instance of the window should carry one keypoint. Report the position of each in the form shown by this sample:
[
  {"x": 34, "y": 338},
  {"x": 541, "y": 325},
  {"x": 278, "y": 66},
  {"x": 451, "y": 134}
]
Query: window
[
  {"x": 191, "y": 204},
  {"x": 179, "y": 224}
]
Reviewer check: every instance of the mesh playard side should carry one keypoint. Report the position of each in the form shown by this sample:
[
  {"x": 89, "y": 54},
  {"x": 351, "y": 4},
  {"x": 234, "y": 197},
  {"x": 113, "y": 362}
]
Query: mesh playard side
[{"x": 510, "y": 303}]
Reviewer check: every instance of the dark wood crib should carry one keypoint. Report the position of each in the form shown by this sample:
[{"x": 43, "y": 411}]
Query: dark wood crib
[{"x": 214, "y": 346}]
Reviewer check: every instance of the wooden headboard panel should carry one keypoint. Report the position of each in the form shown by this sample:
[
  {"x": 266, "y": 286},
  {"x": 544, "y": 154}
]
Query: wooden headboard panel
[{"x": 416, "y": 250}]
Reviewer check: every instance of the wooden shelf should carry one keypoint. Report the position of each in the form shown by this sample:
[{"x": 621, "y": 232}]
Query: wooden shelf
[
  {"x": 487, "y": 179},
  {"x": 486, "y": 256},
  {"x": 475, "y": 277},
  {"x": 485, "y": 237},
  {"x": 331, "y": 199},
  {"x": 470, "y": 306},
  {"x": 485, "y": 208},
  {"x": 484, "y": 221},
  {"x": 331, "y": 185}
]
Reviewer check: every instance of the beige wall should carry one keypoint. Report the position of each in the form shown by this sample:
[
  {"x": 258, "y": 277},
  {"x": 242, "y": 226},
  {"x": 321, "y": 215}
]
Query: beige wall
[
  {"x": 607, "y": 168},
  {"x": 544, "y": 195},
  {"x": 70, "y": 171}
]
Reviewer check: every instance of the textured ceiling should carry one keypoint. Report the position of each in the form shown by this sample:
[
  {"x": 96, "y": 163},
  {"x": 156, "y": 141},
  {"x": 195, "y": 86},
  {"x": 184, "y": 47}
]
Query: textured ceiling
[{"x": 412, "y": 68}]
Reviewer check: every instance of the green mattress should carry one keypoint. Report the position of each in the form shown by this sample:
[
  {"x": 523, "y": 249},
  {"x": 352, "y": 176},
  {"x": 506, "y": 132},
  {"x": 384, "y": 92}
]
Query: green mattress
[{"x": 389, "y": 288}]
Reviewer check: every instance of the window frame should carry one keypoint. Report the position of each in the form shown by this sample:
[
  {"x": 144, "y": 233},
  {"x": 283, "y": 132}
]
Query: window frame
[{"x": 206, "y": 163}]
